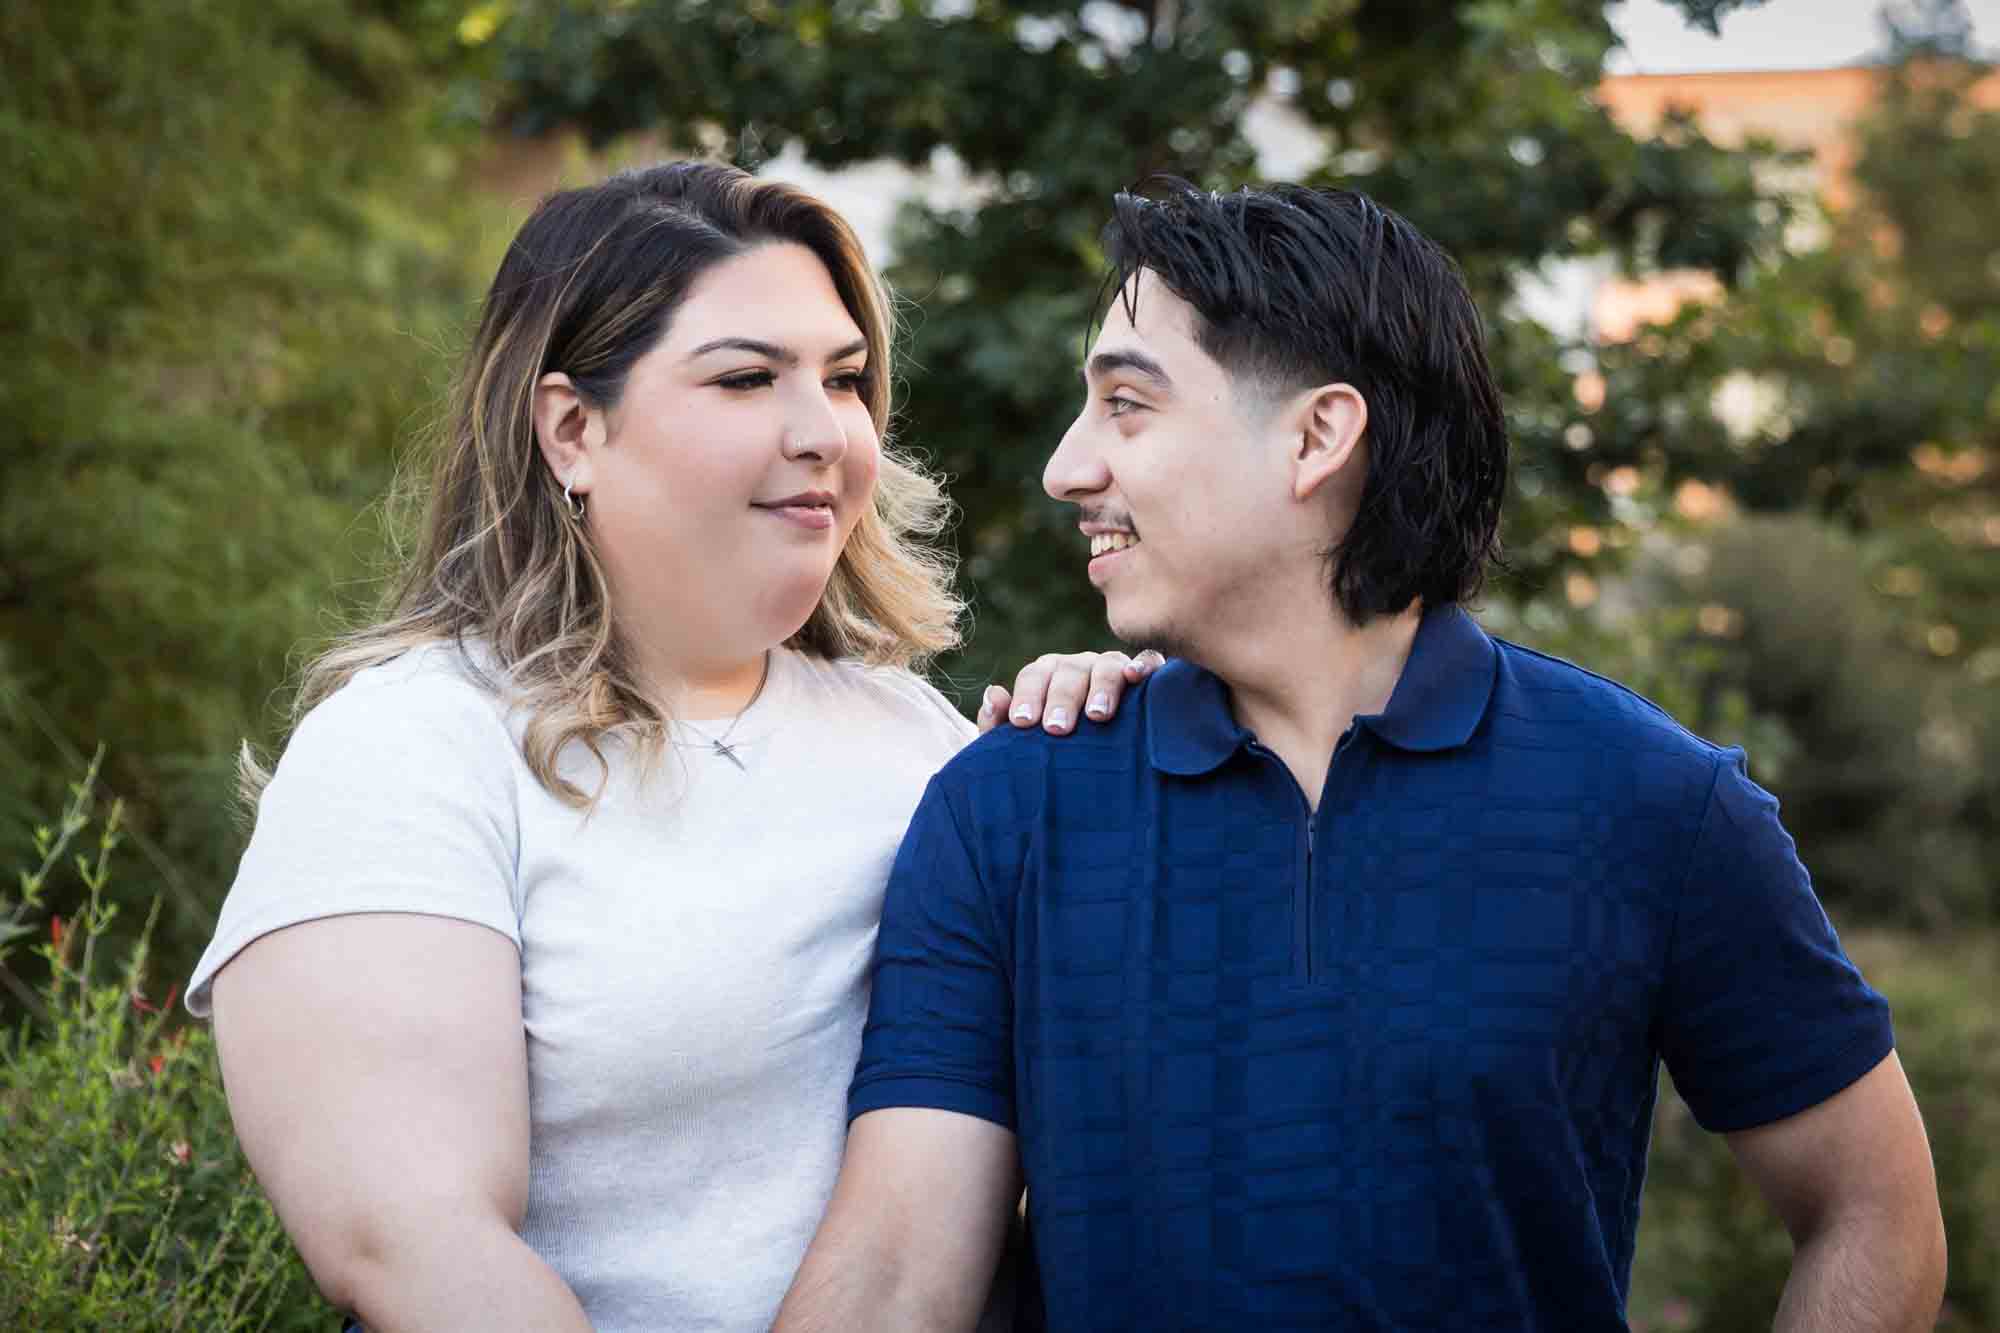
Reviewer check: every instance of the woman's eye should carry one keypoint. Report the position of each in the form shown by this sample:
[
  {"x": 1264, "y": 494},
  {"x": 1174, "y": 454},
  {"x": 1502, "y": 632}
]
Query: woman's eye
[
  {"x": 749, "y": 379},
  {"x": 849, "y": 381}
]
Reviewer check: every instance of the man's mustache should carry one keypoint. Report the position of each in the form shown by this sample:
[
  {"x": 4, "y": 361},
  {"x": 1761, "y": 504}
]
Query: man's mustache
[{"x": 1106, "y": 518}]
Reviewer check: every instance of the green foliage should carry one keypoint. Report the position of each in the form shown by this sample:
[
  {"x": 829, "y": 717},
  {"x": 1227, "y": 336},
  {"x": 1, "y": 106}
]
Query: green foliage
[
  {"x": 232, "y": 239},
  {"x": 1712, "y": 1258},
  {"x": 125, "y": 1203}
]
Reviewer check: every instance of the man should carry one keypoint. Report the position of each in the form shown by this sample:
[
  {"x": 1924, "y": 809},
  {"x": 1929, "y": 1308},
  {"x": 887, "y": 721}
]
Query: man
[{"x": 1327, "y": 987}]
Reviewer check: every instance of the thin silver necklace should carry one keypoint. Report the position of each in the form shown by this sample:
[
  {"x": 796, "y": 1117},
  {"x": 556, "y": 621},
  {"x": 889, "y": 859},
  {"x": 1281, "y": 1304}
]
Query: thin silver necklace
[{"x": 720, "y": 744}]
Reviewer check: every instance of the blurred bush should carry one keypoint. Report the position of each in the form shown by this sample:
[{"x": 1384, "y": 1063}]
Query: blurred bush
[{"x": 125, "y": 1203}]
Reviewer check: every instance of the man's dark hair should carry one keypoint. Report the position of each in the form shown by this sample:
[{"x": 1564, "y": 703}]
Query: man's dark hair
[{"x": 1296, "y": 287}]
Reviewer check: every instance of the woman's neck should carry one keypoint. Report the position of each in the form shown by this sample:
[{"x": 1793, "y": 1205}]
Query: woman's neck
[
  {"x": 720, "y": 690},
  {"x": 697, "y": 686}
]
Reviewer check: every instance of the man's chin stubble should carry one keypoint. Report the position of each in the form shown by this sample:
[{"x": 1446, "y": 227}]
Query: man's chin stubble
[{"x": 1165, "y": 640}]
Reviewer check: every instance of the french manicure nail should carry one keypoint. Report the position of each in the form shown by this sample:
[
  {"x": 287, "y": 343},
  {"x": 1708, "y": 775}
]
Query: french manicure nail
[
  {"x": 1022, "y": 713},
  {"x": 1058, "y": 718},
  {"x": 1100, "y": 704}
]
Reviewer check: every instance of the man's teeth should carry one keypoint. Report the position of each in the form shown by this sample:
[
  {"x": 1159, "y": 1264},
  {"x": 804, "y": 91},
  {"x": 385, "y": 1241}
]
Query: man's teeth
[{"x": 1105, "y": 542}]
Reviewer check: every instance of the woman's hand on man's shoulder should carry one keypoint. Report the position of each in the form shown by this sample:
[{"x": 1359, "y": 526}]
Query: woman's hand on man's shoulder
[{"x": 1056, "y": 689}]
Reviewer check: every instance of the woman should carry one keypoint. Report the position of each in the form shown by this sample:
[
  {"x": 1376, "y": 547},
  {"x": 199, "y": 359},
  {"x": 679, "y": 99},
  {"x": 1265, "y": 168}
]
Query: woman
[{"x": 541, "y": 982}]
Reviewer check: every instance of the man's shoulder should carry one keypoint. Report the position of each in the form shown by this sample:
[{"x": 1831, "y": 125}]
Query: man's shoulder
[
  {"x": 1028, "y": 755},
  {"x": 1568, "y": 725},
  {"x": 1536, "y": 689}
]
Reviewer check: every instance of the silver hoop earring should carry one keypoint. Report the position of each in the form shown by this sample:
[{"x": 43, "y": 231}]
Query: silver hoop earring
[{"x": 575, "y": 505}]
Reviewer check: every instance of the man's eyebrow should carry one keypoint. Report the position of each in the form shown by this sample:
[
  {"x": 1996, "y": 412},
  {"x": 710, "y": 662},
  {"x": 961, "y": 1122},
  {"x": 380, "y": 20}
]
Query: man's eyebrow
[
  {"x": 773, "y": 351},
  {"x": 1110, "y": 363}
]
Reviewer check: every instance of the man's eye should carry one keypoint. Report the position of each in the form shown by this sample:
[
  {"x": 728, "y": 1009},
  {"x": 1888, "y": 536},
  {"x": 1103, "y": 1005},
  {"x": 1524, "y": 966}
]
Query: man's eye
[
  {"x": 749, "y": 379},
  {"x": 1120, "y": 405}
]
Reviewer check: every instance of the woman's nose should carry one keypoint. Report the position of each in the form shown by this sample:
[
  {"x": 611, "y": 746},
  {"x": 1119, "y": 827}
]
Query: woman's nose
[{"x": 813, "y": 430}]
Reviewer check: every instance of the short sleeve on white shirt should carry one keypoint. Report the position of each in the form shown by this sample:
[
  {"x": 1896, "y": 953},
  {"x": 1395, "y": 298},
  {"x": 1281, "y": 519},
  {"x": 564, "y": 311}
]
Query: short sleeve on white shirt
[{"x": 395, "y": 794}]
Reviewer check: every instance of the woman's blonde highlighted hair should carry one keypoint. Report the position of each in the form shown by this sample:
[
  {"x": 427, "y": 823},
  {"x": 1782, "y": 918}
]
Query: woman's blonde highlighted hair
[{"x": 588, "y": 286}]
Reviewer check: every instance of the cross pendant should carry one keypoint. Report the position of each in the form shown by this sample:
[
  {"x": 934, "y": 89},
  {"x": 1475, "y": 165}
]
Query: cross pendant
[{"x": 728, "y": 752}]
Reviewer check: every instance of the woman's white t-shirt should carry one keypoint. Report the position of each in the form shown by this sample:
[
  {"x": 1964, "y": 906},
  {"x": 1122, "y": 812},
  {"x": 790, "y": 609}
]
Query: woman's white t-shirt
[{"x": 694, "y": 952}]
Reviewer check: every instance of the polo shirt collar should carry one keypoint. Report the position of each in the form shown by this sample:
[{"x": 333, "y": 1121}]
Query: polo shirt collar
[
  {"x": 1441, "y": 697},
  {"x": 1437, "y": 704}
]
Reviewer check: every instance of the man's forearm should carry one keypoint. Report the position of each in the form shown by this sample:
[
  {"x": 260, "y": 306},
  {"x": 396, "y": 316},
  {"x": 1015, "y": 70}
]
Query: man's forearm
[
  {"x": 842, "y": 1287},
  {"x": 1880, "y": 1275}
]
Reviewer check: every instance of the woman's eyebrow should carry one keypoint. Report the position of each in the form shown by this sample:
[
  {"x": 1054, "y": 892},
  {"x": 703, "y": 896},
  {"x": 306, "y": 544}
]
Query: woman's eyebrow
[
  {"x": 754, "y": 346},
  {"x": 773, "y": 351}
]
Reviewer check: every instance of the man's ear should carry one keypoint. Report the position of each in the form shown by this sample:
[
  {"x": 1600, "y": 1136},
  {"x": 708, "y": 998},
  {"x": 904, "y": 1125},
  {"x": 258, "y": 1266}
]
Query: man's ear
[
  {"x": 568, "y": 429},
  {"x": 1330, "y": 423}
]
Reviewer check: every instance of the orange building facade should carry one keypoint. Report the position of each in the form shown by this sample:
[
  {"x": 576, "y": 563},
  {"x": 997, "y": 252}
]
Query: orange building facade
[{"x": 1814, "y": 110}]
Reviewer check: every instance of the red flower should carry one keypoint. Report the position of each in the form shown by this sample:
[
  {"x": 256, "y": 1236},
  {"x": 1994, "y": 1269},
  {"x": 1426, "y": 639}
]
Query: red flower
[
  {"x": 55, "y": 931},
  {"x": 157, "y": 1063}
]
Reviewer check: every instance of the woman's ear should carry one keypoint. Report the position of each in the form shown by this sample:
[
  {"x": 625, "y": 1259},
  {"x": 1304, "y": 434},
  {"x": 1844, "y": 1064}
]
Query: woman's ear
[
  {"x": 568, "y": 429},
  {"x": 1331, "y": 423}
]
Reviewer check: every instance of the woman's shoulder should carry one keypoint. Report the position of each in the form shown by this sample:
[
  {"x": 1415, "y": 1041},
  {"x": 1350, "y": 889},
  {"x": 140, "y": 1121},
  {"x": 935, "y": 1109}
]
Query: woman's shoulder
[
  {"x": 895, "y": 695},
  {"x": 438, "y": 693}
]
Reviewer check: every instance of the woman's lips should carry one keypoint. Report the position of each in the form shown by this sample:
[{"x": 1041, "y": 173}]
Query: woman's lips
[{"x": 812, "y": 517}]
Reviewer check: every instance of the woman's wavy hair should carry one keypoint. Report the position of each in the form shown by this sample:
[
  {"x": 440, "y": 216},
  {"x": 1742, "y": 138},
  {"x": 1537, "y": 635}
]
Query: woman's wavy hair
[
  {"x": 1294, "y": 287},
  {"x": 588, "y": 286}
]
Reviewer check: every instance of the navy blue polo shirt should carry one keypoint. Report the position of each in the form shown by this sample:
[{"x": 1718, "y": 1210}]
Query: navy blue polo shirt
[{"x": 1390, "y": 1065}]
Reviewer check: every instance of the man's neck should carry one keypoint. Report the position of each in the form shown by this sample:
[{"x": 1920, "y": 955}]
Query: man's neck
[{"x": 1300, "y": 688}]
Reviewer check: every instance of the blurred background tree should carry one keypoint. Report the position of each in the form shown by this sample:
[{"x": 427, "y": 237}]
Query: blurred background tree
[{"x": 232, "y": 244}]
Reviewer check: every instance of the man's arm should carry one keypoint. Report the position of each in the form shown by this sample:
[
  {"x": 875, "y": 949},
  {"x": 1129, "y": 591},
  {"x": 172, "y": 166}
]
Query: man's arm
[
  {"x": 914, "y": 1230},
  {"x": 1853, "y": 1182}
]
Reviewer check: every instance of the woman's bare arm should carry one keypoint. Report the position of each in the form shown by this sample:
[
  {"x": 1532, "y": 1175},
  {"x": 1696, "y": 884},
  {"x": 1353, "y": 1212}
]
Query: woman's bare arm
[{"x": 377, "y": 1076}]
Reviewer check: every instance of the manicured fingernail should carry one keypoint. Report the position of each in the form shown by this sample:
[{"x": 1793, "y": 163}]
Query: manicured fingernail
[
  {"x": 986, "y": 702},
  {"x": 1023, "y": 713},
  {"x": 1058, "y": 718},
  {"x": 1100, "y": 704}
]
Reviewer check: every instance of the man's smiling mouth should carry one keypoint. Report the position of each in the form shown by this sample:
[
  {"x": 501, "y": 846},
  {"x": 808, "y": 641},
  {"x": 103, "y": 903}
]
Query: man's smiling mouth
[{"x": 1103, "y": 543}]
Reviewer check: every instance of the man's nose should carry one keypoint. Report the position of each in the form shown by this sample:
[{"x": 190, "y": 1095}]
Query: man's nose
[{"x": 1075, "y": 470}]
